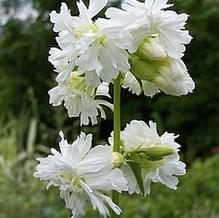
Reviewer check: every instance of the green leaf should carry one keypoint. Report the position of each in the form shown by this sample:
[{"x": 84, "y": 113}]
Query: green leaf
[{"x": 136, "y": 169}]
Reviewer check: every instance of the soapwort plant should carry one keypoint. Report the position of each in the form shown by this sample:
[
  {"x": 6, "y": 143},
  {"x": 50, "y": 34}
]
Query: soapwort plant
[{"x": 140, "y": 48}]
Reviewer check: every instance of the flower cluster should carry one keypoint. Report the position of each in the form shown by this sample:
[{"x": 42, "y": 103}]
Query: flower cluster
[
  {"x": 142, "y": 44},
  {"x": 80, "y": 99},
  {"x": 84, "y": 174},
  {"x": 144, "y": 41},
  {"x": 157, "y": 155}
]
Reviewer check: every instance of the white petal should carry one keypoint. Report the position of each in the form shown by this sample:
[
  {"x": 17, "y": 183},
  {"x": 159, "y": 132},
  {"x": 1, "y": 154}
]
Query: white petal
[
  {"x": 132, "y": 84},
  {"x": 105, "y": 103},
  {"x": 96, "y": 201},
  {"x": 95, "y": 6},
  {"x": 103, "y": 89},
  {"x": 83, "y": 12},
  {"x": 56, "y": 96},
  {"x": 149, "y": 88},
  {"x": 112, "y": 205},
  {"x": 174, "y": 79},
  {"x": 98, "y": 160},
  {"x": 114, "y": 180},
  {"x": 62, "y": 21}
]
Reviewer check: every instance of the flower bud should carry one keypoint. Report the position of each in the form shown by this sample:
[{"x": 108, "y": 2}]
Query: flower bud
[
  {"x": 174, "y": 78},
  {"x": 142, "y": 69},
  {"x": 158, "y": 152},
  {"x": 150, "y": 49},
  {"x": 117, "y": 159},
  {"x": 169, "y": 75}
]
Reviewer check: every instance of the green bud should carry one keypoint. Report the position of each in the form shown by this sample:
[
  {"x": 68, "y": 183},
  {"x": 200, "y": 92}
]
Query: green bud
[
  {"x": 142, "y": 69},
  {"x": 158, "y": 152},
  {"x": 117, "y": 160}
]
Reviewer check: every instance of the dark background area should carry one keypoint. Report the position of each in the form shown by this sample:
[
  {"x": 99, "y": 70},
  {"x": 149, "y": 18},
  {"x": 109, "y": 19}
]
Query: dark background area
[{"x": 29, "y": 125}]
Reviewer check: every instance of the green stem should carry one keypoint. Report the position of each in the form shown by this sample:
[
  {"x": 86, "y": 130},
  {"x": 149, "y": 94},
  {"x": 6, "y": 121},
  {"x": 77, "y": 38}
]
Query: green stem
[
  {"x": 117, "y": 128},
  {"x": 117, "y": 114}
]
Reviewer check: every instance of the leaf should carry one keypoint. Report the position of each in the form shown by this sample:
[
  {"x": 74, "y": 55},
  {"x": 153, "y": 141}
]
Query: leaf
[
  {"x": 136, "y": 169},
  {"x": 31, "y": 136}
]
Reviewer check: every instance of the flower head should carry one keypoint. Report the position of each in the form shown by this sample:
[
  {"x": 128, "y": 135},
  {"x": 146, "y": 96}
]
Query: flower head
[
  {"x": 144, "y": 144},
  {"x": 94, "y": 46},
  {"x": 82, "y": 174},
  {"x": 158, "y": 43},
  {"x": 150, "y": 19},
  {"x": 80, "y": 99},
  {"x": 138, "y": 133}
]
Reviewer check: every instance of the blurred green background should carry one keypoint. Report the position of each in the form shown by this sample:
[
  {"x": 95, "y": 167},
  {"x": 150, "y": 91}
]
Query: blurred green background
[{"x": 29, "y": 126}]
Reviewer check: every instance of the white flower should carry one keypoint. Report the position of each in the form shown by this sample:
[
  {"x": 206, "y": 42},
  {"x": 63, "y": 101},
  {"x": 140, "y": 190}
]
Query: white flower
[
  {"x": 170, "y": 76},
  {"x": 138, "y": 135},
  {"x": 82, "y": 174},
  {"x": 62, "y": 21},
  {"x": 174, "y": 79},
  {"x": 80, "y": 99},
  {"x": 150, "y": 19},
  {"x": 170, "y": 28},
  {"x": 95, "y": 47}
]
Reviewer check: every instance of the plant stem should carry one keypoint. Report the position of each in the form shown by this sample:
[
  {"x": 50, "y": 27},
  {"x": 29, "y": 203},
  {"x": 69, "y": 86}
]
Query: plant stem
[
  {"x": 117, "y": 114},
  {"x": 117, "y": 128}
]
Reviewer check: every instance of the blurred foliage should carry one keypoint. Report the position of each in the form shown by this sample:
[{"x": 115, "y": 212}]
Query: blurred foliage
[{"x": 197, "y": 196}]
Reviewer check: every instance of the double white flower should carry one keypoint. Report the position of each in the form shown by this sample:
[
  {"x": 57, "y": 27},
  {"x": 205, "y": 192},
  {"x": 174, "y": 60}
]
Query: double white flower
[
  {"x": 139, "y": 136},
  {"x": 103, "y": 48},
  {"x": 82, "y": 174},
  {"x": 159, "y": 37},
  {"x": 150, "y": 19},
  {"x": 96, "y": 47},
  {"x": 80, "y": 99}
]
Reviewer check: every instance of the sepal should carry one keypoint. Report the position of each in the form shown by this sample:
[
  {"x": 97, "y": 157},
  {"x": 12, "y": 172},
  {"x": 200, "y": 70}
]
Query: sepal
[
  {"x": 144, "y": 69},
  {"x": 136, "y": 169}
]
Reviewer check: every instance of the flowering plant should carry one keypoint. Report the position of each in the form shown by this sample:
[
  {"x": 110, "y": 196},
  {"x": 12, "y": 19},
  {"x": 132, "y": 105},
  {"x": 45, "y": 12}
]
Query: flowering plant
[{"x": 140, "y": 48}]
